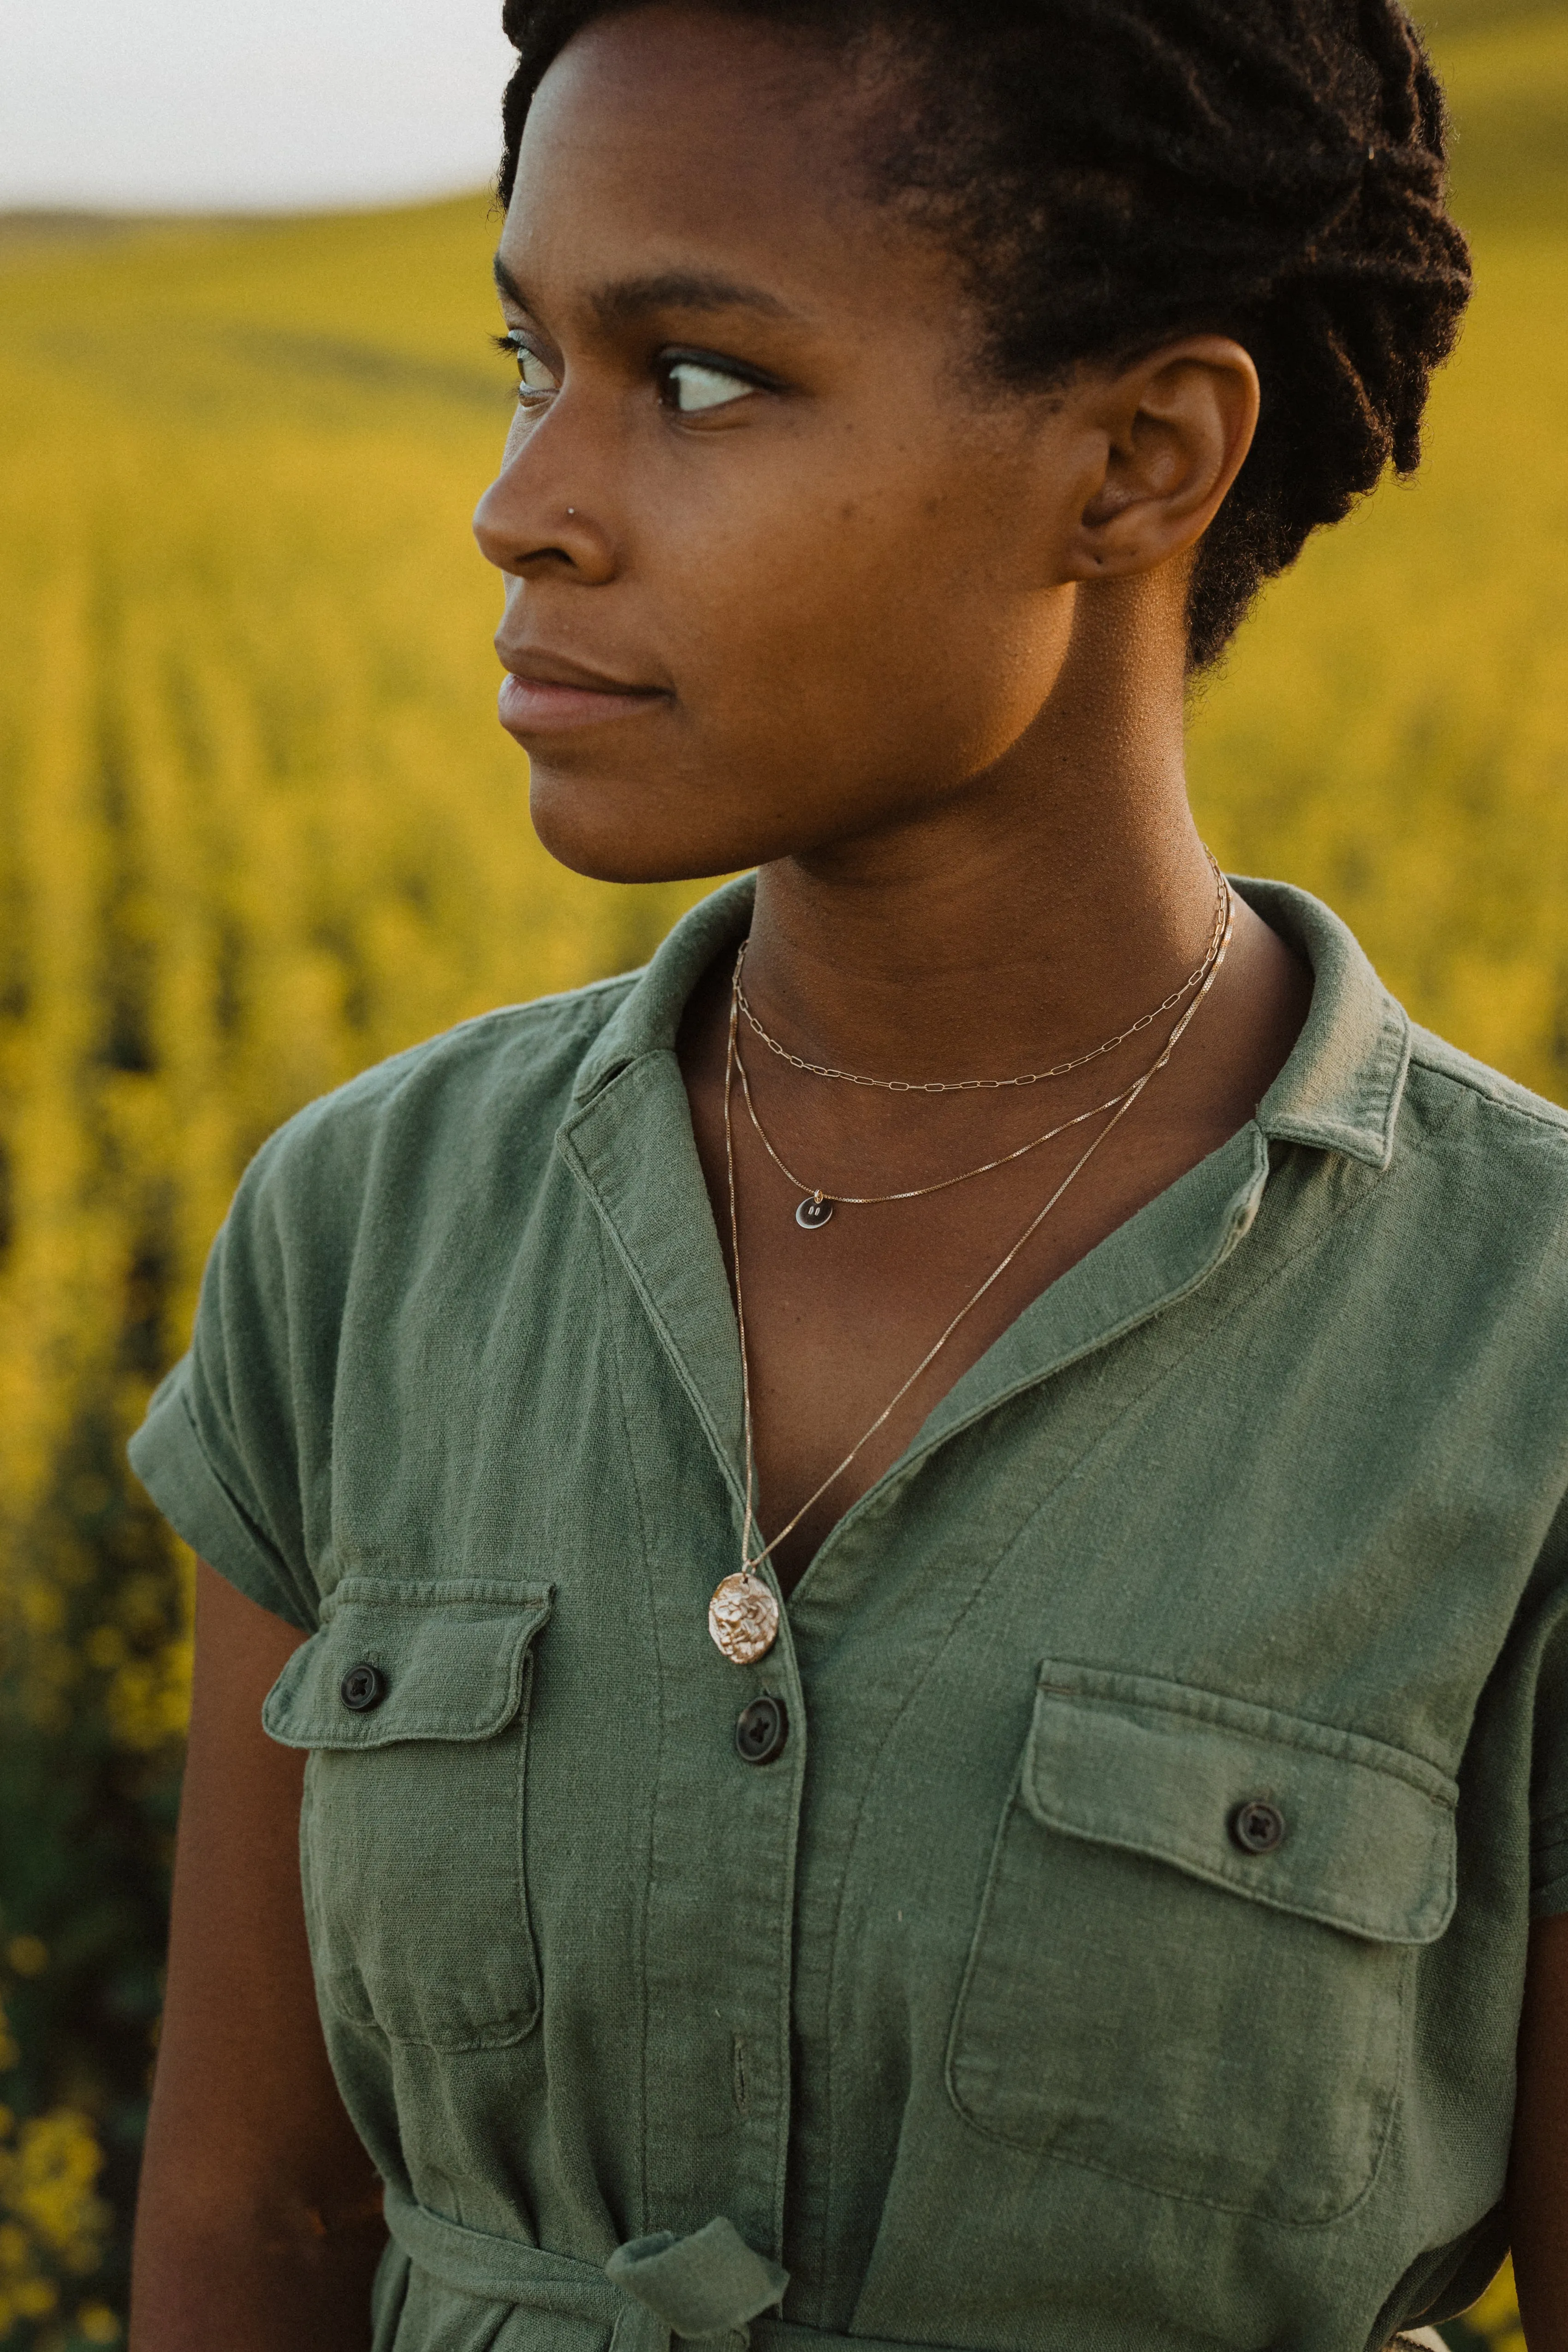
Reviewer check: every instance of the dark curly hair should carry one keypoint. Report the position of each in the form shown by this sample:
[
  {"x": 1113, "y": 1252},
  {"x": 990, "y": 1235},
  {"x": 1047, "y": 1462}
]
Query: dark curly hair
[{"x": 1112, "y": 174}]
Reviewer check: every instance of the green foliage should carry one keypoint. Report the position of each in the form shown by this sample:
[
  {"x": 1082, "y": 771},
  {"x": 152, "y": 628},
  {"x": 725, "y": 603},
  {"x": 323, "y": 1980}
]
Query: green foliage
[{"x": 257, "y": 829}]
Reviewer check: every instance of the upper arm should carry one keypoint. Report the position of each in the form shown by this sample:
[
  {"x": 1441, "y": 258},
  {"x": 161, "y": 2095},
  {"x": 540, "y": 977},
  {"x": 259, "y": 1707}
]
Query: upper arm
[
  {"x": 249, "y": 2146},
  {"x": 1538, "y": 2178}
]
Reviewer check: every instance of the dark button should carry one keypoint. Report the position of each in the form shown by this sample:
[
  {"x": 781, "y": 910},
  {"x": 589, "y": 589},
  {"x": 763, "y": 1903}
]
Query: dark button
[
  {"x": 363, "y": 1687},
  {"x": 1257, "y": 1826},
  {"x": 761, "y": 1730}
]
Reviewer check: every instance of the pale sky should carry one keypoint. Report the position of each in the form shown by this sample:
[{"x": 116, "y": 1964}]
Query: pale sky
[{"x": 154, "y": 105}]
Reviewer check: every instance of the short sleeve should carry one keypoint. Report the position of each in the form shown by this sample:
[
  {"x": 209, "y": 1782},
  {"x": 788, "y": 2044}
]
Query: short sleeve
[
  {"x": 228, "y": 1445},
  {"x": 201, "y": 1504}
]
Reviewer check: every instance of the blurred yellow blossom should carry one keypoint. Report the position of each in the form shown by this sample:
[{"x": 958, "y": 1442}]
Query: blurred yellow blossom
[
  {"x": 54, "y": 2220},
  {"x": 1496, "y": 2315}
]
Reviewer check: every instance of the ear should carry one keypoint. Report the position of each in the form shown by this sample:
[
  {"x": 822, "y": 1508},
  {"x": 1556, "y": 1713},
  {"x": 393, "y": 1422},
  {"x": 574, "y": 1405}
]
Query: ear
[{"x": 1172, "y": 430}]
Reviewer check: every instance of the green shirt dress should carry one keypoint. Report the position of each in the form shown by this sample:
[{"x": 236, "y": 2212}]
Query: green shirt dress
[{"x": 1122, "y": 1951}]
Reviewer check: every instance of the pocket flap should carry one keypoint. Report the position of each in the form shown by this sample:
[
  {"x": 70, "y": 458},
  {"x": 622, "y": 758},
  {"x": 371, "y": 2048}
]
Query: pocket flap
[
  {"x": 1364, "y": 1831},
  {"x": 448, "y": 1660}
]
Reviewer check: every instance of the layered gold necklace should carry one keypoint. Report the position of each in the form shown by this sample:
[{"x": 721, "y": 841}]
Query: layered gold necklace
[
  {"x": 816, "y": 1206},
  {"x": 743, "y": 1613}
]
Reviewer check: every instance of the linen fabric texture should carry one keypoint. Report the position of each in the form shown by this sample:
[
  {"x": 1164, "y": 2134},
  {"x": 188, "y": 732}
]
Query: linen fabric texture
[{"x": 969, "y": 2017}]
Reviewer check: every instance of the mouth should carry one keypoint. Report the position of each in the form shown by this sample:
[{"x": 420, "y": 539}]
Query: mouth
[{"x": 545, "y": 694}]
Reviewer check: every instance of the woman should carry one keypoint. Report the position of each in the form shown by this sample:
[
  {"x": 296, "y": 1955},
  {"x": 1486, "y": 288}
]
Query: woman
[{"x": 1096, "y": 1911}]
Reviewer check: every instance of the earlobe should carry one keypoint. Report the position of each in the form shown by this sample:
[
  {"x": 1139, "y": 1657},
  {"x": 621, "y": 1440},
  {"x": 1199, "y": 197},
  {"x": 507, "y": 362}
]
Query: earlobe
[{"x": 1175, "y": 427}]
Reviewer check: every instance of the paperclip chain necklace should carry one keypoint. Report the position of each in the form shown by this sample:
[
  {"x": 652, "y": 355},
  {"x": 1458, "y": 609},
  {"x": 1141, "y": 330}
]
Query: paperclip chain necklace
[
  {"x": 816, "y": 1207},
  {"x": 1026, "y": 1077},
  {"x": 743, "y": 1613}
]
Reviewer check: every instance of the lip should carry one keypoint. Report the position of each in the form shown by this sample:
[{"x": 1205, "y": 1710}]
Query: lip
[{"x": 543, "y": 693}]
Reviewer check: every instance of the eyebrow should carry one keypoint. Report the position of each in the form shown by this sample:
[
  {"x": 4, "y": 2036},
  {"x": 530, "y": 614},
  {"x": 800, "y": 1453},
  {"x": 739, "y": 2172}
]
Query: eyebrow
[{"x": 626, "y": 299}]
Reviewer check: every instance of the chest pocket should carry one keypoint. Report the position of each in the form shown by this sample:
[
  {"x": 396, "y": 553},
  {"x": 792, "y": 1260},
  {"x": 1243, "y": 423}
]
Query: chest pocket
[
  {"x": 413, "y": 1700},
  {"x": 1194, "y": 1943}
]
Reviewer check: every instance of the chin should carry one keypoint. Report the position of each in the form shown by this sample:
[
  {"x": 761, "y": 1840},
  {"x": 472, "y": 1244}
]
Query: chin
[{"x": 625, "y": 833}]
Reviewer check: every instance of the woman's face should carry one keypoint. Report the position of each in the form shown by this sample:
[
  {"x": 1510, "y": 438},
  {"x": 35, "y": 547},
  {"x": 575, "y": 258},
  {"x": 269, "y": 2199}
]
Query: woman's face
[{"x": 784, "y": 568}]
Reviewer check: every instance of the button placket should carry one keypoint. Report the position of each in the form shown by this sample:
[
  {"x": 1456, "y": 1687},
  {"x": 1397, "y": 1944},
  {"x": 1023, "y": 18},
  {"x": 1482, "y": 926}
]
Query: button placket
[{"x": 771, "y": 1810}]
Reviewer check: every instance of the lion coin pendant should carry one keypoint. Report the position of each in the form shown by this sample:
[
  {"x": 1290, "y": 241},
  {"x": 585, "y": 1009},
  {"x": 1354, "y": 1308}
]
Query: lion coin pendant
[
  {"x": 743, "y": 1618},
  {"x": 814, "y": 1212}
]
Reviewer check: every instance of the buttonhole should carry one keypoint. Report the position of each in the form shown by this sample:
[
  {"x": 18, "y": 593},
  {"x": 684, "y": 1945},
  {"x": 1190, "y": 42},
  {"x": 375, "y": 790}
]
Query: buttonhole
[{"x": 740, "y": 2073}]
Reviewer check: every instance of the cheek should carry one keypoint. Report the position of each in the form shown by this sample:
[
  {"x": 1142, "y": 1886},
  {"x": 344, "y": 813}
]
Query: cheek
[
  {"x": 897, "y": 628},
  {"x": 843, "y": 653}
]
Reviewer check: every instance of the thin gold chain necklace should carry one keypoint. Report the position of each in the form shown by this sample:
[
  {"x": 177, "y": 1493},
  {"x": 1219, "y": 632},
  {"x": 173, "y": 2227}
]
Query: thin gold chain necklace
[
  {"x": 743, "y": 1613},
  {"x": 814, "y": 1208},
  {"x": 1026, "y": 1077}
]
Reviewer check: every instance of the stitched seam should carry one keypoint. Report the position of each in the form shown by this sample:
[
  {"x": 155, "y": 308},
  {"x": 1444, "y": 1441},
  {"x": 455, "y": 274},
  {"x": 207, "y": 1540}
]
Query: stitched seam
[
  {"x": 1036, "y": 1504},
  {"x": 1109, "y": 2171},
  {"x": 1380, "y": 1089},
  {"x": 1173, "y": 1856},
  {"x": 251, "y": 1527},
  {"x": 644, "y": 2037},
  {"x": 606, "y": 1225},
  {"x": 847, "y": 1871},
  {"x": 1463, "y": 1084},
  {"x": 784, "y": 2101},
  {"x": 1302, "y": 1733},
  {"x": 430, "y": 1593},
  {"x": 523, "y": 1736}
]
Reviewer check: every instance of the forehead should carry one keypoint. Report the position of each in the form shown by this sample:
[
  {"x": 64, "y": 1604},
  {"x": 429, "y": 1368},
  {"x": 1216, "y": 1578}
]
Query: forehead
[{"x": 674, "y": 138}]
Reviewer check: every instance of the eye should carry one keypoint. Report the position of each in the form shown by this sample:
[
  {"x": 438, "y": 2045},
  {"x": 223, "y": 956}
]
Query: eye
[
  {"x": 536, "y": 382},
  {"x": 693, "y": 385},
  {"x": 533, "y": 375}
]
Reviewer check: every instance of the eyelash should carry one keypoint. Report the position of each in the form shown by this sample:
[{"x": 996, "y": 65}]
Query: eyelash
[{"x": 515, "y": 346}]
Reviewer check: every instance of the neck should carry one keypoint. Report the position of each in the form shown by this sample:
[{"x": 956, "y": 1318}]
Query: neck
[{"x": 1020, "y": 919}]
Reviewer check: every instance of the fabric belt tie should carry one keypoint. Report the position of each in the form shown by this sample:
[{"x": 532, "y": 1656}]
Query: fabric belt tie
[{"x": 706, "y": 2288}]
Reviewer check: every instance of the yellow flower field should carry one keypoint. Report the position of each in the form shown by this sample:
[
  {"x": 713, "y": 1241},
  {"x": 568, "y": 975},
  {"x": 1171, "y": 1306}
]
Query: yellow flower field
[{"x": 258, "y": 829}]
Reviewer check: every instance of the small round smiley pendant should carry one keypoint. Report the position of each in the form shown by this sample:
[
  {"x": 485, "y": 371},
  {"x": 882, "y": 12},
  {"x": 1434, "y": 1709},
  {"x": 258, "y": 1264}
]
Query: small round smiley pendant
[{"x": 814, "y": 1212}]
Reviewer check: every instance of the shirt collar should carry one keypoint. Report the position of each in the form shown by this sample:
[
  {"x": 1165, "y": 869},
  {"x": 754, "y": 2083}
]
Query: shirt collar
[
  {"x": 1339, "y": 1089},
  {"x": 647, "y": 1019}
]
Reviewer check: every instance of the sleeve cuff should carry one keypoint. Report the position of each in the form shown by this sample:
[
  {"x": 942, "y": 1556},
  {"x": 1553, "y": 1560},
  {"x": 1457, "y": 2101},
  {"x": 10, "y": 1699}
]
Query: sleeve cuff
[{"x": 168, "y": 1457}]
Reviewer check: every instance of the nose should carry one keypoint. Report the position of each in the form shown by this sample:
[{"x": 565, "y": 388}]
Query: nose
[{"x": 531, "y": 518}]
